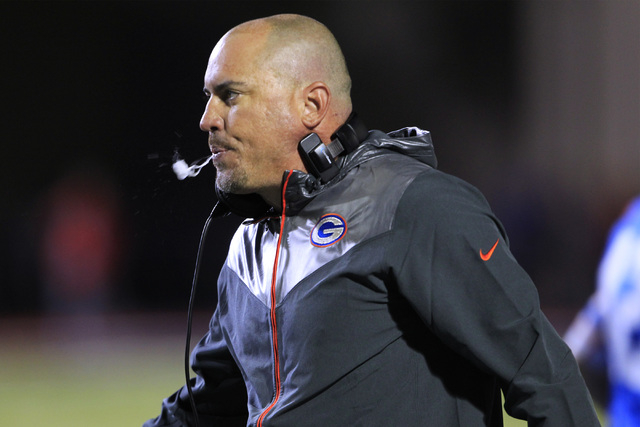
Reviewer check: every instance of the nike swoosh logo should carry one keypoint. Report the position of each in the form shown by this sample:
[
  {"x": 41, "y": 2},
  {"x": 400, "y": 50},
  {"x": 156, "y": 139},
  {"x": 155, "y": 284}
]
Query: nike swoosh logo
[{"x": 487, "y": 256}]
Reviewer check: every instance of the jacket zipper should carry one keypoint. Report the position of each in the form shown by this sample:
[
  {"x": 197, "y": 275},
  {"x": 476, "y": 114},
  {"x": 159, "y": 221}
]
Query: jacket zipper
[{"x": 274, "y": 329}]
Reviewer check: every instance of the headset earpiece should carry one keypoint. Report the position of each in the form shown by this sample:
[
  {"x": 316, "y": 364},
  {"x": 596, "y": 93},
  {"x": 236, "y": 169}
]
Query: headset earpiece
[{"x": 319, "y": 159}]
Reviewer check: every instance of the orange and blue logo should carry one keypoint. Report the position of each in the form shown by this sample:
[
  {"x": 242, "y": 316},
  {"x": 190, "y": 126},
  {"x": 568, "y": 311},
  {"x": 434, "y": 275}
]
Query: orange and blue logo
[{"x": 329, "y": 230}]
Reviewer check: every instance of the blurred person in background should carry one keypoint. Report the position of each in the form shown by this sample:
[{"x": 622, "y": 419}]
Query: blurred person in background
[
  {"x": 610, "y": 321},
  {"x": 81, "y": 246}
]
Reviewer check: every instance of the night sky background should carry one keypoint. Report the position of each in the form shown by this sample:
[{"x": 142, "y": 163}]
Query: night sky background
[{"x": 105, "y": 93}]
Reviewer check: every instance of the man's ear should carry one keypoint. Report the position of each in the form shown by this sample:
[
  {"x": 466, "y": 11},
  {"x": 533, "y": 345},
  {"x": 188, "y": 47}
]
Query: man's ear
[{"x": 316, "y": 98}]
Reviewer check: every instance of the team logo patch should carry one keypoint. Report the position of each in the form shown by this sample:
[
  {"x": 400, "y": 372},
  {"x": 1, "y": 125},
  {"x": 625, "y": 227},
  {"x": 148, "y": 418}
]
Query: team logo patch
[{"x": 329, "y": 229}]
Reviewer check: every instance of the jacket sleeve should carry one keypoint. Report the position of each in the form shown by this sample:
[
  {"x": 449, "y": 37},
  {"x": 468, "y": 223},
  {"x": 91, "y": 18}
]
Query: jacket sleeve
[
  {"x": 218, "y": 388},
  {"x": 454, "y": 267}
]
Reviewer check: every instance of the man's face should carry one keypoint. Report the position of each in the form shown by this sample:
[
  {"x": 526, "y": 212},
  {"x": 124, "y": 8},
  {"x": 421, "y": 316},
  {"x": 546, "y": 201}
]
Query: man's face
[{"x": 251, "y": 117}]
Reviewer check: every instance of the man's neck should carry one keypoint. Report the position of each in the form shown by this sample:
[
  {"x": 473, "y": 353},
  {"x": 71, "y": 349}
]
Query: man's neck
[{"x": 273, "y": 196}]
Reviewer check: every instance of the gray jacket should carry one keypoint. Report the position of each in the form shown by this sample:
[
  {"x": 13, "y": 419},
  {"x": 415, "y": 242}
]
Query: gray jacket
[{"x": 387, "y": 297}]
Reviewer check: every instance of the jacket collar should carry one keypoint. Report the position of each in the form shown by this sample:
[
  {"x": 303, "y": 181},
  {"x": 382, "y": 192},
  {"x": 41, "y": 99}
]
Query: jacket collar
[{"x": 302, "y": 187}]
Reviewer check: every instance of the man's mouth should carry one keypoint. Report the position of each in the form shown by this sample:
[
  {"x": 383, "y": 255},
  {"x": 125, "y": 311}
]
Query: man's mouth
[
  {"x": 218, "y": 153},
  {"x": 218, "y": 148}
]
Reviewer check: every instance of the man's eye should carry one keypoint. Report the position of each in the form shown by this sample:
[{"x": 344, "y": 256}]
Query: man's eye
[
  {"x": 229, "y": 96},
  {"x": 226, "y": 96}
]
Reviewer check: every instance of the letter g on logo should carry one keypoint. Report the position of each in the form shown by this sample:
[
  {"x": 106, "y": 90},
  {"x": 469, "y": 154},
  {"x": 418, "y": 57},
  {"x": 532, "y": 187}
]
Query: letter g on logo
[{"x": 329, "y": 229}]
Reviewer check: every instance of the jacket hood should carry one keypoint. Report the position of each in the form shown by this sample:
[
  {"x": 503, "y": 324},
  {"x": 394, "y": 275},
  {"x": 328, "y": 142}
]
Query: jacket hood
[
  {"x": 302, "y": 187},
  {"x": 410, "y": 141}
]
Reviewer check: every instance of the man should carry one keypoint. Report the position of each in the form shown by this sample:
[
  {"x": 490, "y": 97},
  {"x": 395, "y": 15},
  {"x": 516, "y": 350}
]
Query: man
[
  {"x": 380, "y": 294},
  {"x": 612, "y": 318}
]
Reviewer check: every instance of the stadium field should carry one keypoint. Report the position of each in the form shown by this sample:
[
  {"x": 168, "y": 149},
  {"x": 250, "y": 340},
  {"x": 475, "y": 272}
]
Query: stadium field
[{"x": 92, "y": 370}]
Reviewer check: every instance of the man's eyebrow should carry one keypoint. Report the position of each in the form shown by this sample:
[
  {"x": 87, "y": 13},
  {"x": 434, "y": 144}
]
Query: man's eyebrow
[{"x": 225, "y": 86}]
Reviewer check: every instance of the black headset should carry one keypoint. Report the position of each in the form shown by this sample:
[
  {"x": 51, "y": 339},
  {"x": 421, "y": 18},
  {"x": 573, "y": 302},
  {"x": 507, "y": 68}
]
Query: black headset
[{"x": 318, "y": 158}]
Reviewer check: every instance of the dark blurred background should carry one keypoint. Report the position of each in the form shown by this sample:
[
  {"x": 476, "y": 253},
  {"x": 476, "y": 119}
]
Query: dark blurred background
[{"x": 537, "y": 103}]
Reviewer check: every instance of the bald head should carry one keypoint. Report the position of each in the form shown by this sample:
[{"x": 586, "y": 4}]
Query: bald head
[
  {"x": 300, "y": 50},
  {"x": 270, "y": 83}
]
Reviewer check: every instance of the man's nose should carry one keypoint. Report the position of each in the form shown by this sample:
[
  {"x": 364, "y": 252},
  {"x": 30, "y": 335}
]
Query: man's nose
[{"x": 211, "y": 119}]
